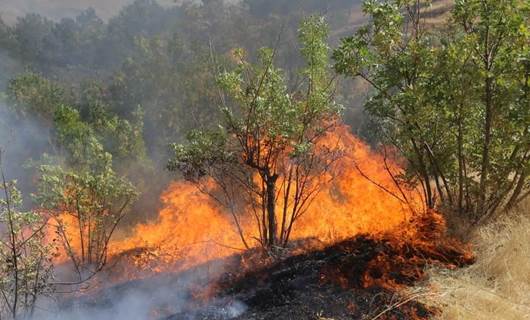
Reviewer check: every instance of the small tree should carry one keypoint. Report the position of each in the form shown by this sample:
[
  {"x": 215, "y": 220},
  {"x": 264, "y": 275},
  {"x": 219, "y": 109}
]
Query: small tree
[
  {"x": 87, "y": 207},
  {"x": 85, "y": 196},
  {"x": 26, "y": 266},
  {"x": 265, "y": 158}
]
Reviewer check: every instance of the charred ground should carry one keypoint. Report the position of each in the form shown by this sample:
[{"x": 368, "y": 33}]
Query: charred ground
[{"x": 363, "y": 277}]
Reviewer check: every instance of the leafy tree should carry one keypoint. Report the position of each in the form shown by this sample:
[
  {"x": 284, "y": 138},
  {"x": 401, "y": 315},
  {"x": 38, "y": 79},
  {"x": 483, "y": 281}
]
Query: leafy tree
[
  {"x": 26, "y": 268},
  {"x": 496, "y": 32},
  {"x": 266, "y": 145},
  {"x": 86, "y": 197},
  {"x": 452, "y": 101},
  {"x": 73, "y": 42},
  {"x": 5, "y": 34},
  {"x": 123, "y": 138},
  {"x": 29, "y": 33},
  {"x": 173, "y": 86},
  {"x": 32, "y": 95},
  {"x": 87, "y": 207}
]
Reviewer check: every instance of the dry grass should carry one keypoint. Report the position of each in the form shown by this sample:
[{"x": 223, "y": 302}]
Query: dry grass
[
  {"x": 498, "y": 285},
  {"x": 438, "y": 12}
]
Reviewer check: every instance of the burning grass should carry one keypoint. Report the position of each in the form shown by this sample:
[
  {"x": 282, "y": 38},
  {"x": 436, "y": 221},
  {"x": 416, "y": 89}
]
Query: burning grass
[
  {"x": 362, "y": 277},
  {"x": 358, "y": 278}
]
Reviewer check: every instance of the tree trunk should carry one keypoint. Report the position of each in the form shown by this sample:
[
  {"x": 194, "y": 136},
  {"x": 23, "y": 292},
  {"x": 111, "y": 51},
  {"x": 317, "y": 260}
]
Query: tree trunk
[
  {"x": 425, "y": 175},
  {"x": 271, "y": 210},
  {"x": 484, "y": 172},
  {"x": 460, "y": 162}
]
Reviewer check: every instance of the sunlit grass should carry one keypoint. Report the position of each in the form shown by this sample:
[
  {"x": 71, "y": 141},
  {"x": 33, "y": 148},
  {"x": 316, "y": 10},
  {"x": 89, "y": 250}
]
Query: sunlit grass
[{"x": 498, "y": 285}]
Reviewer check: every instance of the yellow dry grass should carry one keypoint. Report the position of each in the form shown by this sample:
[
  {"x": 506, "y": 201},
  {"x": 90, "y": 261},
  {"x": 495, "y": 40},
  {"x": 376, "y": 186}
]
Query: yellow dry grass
[
  {"x": 438, "y": 12},
  {"x": 497, "y": 286}
]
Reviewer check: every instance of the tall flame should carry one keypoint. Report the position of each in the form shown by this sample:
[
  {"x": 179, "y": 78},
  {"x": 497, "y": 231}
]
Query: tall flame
[{"x": 362, "y": 197}]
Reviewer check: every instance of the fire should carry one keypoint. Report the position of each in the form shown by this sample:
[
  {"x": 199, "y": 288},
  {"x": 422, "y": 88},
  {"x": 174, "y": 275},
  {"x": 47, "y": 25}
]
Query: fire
[
  {"x": 190, "y": 227},
  {"x": 364, "y": 231},
  {"x": 63, "y": 229},
  {"x": 360, "y": 197}
]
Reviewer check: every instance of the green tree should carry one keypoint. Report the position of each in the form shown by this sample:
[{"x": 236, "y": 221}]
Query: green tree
[
  {"x": 30, "y": 32},
  {"x": 121, "y": 137},
  {"x": 85, "y": 195},
  {"x": 453, "y": 101},
  {"x": 26, "y": 268},
  {"x": 265, "y": 147},
  {"x": 496, "y": 33},
  {"x": 32, "y": 95},
  {"x": 174, "y": 88}
]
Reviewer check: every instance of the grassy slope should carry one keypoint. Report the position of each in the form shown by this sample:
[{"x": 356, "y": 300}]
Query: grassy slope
[
  {"x": 439, "y": 12},
  {"x": 498, "y": 285}
]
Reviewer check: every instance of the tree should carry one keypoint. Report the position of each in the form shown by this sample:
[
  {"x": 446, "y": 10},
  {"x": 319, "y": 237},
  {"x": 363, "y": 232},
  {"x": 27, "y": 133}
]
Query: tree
[
  {"x": 79, "y": 180},
  {"x": 30, "y": 32},
  {"x": 452, "y": 101},
  {"x": 32, "y": 95},
  {"x": 87, "y": 207},
  {"x": 26, "y": 267},
  {"x": 496, "y": 33},
  {"x": 86, "y": 198},
  {"x": 163, "y": 77},
  {"x": 123, "y": 138},
  {"x": 265, "y": 158}
]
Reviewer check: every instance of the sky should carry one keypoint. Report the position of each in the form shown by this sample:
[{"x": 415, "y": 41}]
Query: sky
[{"x": 56, "y": 9}]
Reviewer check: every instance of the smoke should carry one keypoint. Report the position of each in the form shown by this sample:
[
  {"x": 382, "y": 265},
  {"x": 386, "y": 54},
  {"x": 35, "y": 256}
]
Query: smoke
[
  {"x": 165, "y": 296},
  {"x": 8, "y": 67},
  {"x": 22, "y": 139},
  {"x": 57, "y": 9}
]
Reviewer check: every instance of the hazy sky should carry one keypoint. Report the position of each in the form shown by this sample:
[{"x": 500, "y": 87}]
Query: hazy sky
[
  {"x": 57, "y": 9},
  {"x": 10, "y": 9}
]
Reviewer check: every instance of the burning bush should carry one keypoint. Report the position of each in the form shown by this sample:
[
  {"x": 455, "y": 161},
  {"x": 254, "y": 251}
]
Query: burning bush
[{"x": 264, "y": 159}]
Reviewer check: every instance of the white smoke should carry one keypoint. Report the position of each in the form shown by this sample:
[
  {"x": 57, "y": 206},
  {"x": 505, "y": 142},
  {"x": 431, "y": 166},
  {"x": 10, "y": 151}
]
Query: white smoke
[
  {"x": 167, "y": 296},
  {"x": 58, "y": 9},
  {"x": 21, "y": 139}
]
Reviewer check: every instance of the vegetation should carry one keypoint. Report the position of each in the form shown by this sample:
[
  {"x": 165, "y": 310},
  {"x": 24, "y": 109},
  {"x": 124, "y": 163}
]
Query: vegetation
[
  {"x": 266, "y": 144},
  {"x": 26, "y": 268},
  {"x": 103, "y": 101},
  {"x": 453, "y": 102},
  {"x": 497, "y": 285},
  {"x": 108, "y": 102},
  {"x": 85, "y": 187}
]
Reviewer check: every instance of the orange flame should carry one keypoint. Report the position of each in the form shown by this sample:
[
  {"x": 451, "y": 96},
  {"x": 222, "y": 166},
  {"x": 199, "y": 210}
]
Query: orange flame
[{"x": 361, "y": 198}]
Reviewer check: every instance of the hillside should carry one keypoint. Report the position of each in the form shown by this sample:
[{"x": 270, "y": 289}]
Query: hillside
[{"x": 264, "y": 159}]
